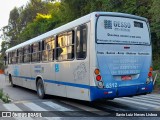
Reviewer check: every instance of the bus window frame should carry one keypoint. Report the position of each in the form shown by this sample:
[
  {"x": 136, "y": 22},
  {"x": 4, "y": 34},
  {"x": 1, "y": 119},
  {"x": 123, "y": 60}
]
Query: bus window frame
[
  {"x": 15, "y": 57},
  {"x": 21, "y": 56},
  {"x": 27, "y": 54},
  {"x": 73, "y": 44},
  {"x": 86, "y": 41},
  {"x": 39, "y": 52},
  {"x": 53, "y": 39}
]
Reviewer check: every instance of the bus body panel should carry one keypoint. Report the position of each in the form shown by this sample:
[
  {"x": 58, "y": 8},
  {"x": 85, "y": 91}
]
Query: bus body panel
[
  {"x": 74, "y": 76},
  {"x": 123, "y": 56},
  {"x": 14, "y": 72},
  {"x": 45, "y": 71},
  {"x": 114, "y": 68},
  {"x": 25, "y": 73}
]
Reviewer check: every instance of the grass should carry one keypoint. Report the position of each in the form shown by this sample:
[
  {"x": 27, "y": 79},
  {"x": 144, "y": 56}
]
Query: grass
[{"x": 4, "y": 97}]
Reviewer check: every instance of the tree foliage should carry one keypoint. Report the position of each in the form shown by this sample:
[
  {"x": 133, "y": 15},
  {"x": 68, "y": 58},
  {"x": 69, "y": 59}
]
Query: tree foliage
[{"x": 40, "y": 16}]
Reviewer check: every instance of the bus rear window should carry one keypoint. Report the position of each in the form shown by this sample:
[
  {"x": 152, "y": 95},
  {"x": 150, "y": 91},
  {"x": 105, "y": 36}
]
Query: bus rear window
[{"x": 119, "y": 30}]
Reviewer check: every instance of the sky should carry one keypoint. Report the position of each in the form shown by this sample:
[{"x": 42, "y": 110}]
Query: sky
[{"x": 5, "y": 7}]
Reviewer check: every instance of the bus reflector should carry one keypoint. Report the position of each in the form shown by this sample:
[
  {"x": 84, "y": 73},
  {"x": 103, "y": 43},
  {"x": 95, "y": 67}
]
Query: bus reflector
[
  {"x": 109, "y": 92},
  {"x": 150, "y": 69},
  {"x": 97, "y": 72},
  {"x": 105, "y": 92},
  {"x": 144, "y": 88},
  {"x": 150, "y": 74},
  {"x": 100, "y": 84},
  {"x": 126, "y": 47},
  {"x": 98, "y": 78}
]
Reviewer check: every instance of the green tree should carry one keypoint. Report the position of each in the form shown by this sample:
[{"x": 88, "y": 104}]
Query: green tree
[
  {"x": 21, "y": 17},
  {"x": 42, "y": 23}
]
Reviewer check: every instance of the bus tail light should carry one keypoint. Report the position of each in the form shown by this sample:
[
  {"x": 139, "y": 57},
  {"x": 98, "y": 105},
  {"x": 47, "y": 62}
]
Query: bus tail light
[
  {"x": 150, "y": 69},
  {"x": 149, "y": 79},
  {"x": 96, "y": 72},
  {"x": 150, "y": 72},
  {"x": 100, "y": 84},
  {"x": 98, "y": 77}
]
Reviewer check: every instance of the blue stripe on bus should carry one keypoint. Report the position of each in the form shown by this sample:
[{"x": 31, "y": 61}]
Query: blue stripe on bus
[
  {"x": 68, "y": 84},
  {"x": 25, "y": 77},
  {"x": 58, "y": 82},
  {"x": 96, "y": 93}
]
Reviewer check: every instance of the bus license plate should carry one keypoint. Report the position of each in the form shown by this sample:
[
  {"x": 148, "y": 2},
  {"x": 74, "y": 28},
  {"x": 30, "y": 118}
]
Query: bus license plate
[{"x": 126, "y": 77}]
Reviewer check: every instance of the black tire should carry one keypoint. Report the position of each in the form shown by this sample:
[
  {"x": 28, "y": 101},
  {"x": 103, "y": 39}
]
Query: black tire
[
  {"x": 40, "y": 89},
  {"x": 11, "y": 81}
]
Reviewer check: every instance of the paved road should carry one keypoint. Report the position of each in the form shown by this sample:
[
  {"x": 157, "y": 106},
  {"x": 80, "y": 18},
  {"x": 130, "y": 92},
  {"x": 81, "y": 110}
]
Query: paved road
[
  {"x": 63, "y": 107},
  {"x": 17, "y": 93},
  {"x": 59, "y": 107}
]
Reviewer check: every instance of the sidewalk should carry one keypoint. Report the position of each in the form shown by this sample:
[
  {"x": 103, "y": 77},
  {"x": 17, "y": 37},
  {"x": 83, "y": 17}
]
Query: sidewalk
[
  {"x": 1, "y": 102},
  {"x": 3, "y": 82}
]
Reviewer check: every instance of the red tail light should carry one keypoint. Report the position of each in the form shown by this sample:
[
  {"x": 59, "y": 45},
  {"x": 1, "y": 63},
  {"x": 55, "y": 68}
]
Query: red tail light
[
  {"x": 150, "y": 74},
  {"x": 98, "y": 77}
]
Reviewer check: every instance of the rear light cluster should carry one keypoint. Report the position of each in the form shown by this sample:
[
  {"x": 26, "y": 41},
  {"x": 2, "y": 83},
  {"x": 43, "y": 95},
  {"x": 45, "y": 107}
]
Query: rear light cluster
[
  {"x": 149, "y": 79},
  {"x": 150, "y": 72},
  {"x": 98, "y": 78}
]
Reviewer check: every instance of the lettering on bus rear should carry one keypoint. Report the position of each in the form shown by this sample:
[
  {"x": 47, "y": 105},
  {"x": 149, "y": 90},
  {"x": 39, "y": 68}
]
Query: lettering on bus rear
[
  {"x": 121, "y": 30},
  {"x": 111, "y": 85}
]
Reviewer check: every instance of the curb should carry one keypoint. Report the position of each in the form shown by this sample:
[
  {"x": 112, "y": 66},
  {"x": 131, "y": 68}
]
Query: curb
[{"x": 1, "y": 102}]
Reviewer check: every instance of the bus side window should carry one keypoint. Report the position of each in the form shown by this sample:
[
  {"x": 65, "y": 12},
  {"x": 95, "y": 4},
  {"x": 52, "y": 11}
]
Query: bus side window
[
  {"x": 36, "y": 52},
  {"x": 70, "y": 46},
  {"x": 20, "y": 55},
  {"x": 14, "y": 57},
  {"x": 5, "y": 60},
  {"x": 26, "y": 56},
  {"x": 61, "y": 50},
  {"x": 48, "y": 49},
  {"x": 65, "y": 46},
  {"x": 9, "y": 58},
  {"x": 81, "y": 42}
]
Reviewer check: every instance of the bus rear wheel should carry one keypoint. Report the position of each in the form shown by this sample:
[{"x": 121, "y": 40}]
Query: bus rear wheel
[
  {"x": 11, "y": 81},
  {"x": 40, "y": 89}
]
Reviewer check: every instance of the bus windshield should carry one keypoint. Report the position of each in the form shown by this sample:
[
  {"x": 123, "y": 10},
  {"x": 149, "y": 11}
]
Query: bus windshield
[{"x": 120, "y": 30}]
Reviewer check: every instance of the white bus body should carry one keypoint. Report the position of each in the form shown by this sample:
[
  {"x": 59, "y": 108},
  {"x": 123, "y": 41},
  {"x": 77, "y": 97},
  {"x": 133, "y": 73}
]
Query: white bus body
[{"x": 107, "y": 55}]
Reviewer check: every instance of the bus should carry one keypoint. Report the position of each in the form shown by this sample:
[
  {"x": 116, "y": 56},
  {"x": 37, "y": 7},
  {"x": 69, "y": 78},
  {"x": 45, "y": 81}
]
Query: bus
[{"x": 102, "y": 55}]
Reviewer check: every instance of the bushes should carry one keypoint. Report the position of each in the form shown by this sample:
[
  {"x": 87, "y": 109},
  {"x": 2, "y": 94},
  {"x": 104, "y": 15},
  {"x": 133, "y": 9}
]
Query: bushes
[
  {"x": 4, "y": 97},
  {"x": 2, "y": 65},
  {"x": 156, "y": 64}
]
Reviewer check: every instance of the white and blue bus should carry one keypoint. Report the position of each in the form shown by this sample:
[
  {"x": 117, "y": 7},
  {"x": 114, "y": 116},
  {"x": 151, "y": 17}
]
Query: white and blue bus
[{"x": 100, "y": 55}]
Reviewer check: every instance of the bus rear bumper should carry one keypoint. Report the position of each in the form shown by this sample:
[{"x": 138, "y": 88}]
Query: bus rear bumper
[
  {"x": 134, "y": 90},
  {"x": 125, "y": 91}
]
